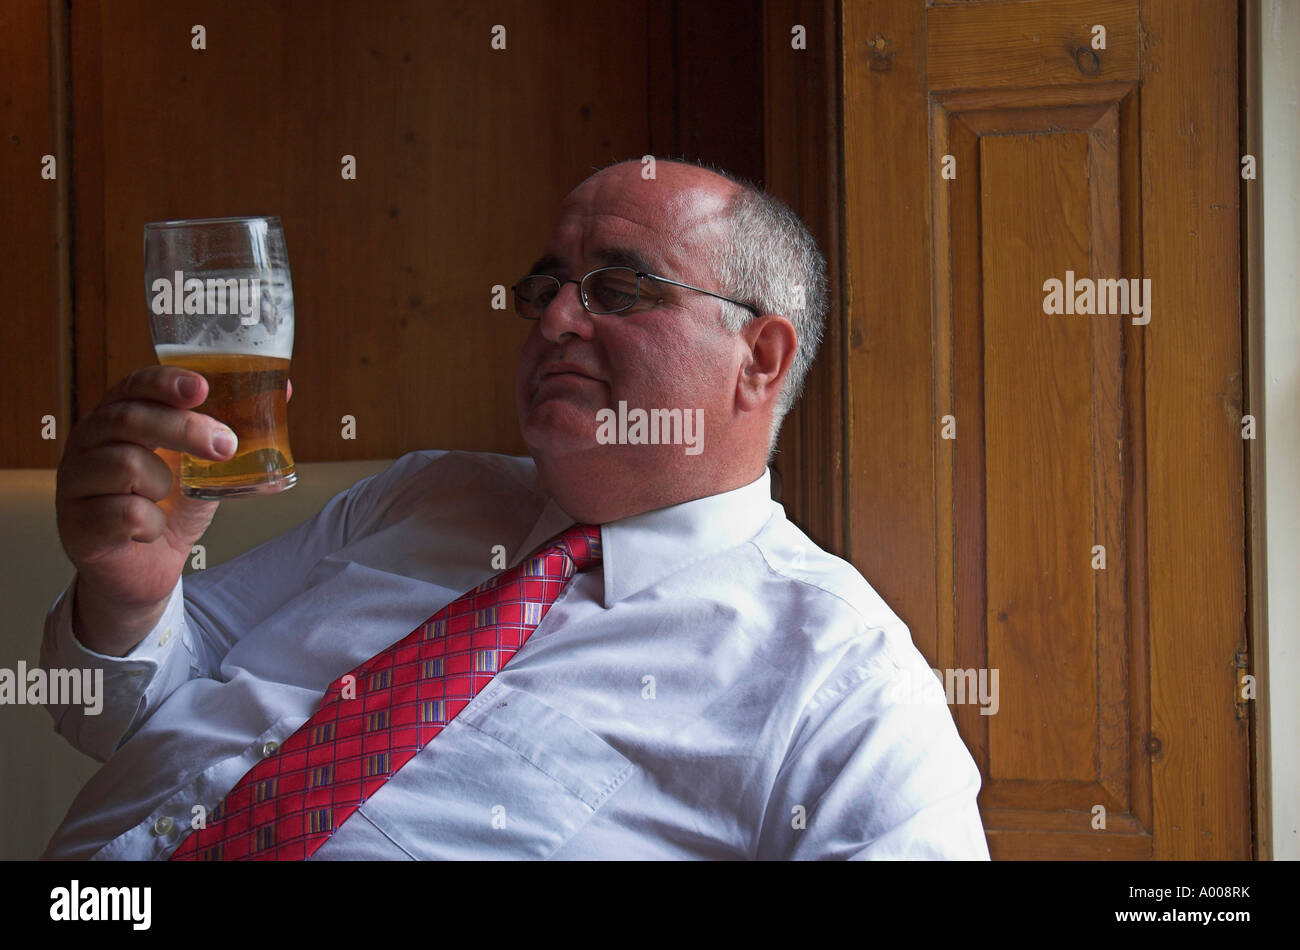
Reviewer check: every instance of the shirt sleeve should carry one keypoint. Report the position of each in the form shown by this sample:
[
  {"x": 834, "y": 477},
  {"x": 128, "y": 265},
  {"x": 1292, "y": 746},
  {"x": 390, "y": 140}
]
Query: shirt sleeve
[
  {"x": 206, "y": 614},
  {"x": 128, "y": 687},
  {"x": 877, "y": 771}
]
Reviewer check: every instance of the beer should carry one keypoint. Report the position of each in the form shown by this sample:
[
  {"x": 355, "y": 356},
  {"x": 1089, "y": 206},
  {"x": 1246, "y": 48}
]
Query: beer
[
  {"x": 220, "y": 302},
  {"x": 246, "y": 391}
]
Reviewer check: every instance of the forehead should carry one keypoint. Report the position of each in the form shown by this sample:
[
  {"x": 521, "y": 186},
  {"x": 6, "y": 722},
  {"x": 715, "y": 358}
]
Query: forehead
[{"x": 617, "y": 217}]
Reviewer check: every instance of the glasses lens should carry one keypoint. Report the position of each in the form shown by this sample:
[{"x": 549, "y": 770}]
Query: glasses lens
[
  {"x": 534, "y": 294},
  {"x": 610, "y": 290}
]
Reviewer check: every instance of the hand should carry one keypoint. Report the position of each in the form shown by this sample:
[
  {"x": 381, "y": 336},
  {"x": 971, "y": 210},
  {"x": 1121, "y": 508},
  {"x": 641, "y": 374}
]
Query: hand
[{"x": 122, "y": 518}]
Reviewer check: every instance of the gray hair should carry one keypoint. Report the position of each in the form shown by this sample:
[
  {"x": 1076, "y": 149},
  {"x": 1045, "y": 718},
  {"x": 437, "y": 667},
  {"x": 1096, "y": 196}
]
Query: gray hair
[
  {"x": 772, "y": 262},
  {"x": 775, "y": 265}
]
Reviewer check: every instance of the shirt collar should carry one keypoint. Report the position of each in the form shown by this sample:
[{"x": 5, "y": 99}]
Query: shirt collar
[{"x": 643, "y": 549}]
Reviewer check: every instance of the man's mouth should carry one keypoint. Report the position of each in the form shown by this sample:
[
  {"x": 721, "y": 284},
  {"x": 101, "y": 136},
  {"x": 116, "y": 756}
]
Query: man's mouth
[{"x": 563, "y": 371}]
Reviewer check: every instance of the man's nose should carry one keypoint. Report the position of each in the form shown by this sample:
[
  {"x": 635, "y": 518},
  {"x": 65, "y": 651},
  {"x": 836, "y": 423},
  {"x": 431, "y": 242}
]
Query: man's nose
[{"x": 566, "y": 314}]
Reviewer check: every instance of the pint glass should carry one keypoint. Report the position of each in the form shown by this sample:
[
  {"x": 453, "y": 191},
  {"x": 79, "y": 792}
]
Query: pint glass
[{"x": 220, "y": 303}]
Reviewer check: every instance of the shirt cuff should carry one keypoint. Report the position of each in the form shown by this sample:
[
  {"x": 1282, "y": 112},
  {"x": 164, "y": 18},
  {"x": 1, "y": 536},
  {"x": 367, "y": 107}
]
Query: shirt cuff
[{"x": 129, "y": 686}]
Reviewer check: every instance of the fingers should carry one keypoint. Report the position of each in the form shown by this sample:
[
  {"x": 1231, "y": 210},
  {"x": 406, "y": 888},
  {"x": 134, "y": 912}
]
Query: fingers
[
  {"x": 113, "y": 487},
  {"x": 149, "y": 408},
  {"x": 110, "y": 479},
  {"x": 118, "y": 468},
  {"x": 95, "y": 526},
  {"x": 156, "y": 426},
  {"x": 172, "y": 385}
]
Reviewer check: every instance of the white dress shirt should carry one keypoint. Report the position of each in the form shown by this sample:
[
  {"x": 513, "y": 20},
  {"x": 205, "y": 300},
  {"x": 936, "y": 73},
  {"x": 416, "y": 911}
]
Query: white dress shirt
[{"x": 719, "y": 687}]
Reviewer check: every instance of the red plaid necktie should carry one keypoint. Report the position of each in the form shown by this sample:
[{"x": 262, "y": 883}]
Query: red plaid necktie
[{"x": 290, "y": 803}]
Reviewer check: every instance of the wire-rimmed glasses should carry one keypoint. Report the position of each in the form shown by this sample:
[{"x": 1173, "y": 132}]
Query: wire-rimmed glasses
[{"x": 605, "y": 290}]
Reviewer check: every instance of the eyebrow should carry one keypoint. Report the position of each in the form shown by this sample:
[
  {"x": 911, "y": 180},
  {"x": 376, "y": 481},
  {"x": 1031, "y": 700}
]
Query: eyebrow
[
  {"x": 609, "y": 256},
  {"x": 626, "y": 257},
  {"x": 547, "y": 262}
]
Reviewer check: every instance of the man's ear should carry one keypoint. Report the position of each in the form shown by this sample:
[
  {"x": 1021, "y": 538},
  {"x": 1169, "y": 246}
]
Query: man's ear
[{"x": 771, "y": 343}]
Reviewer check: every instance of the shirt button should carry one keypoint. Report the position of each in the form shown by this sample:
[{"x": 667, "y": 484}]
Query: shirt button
[
  {"x": 163, "y": 826},
  {"x": 165, "y": 637},
  {"x": 269, "y": 749}
]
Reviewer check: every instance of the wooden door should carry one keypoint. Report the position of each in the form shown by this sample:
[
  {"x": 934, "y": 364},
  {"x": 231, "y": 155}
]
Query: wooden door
[{"x": 1057, "y": 496}]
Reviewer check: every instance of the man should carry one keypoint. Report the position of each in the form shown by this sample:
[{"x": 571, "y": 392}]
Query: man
[{"x": 704, "y": 682}]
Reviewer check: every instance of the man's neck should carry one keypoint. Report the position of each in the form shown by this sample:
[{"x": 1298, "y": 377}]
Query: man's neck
[{"x": 591, "y": 499}]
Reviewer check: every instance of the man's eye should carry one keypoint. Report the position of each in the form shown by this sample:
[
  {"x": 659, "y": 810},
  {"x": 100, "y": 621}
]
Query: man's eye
[
  {"x": 608, "y": 298},
  {"x": 612, "y": 291}
]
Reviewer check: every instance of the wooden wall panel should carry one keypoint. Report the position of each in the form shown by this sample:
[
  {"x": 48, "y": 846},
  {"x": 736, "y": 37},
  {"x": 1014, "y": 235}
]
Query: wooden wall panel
[
  {"x": 890, "y": 395},
  {"x": 717, "y": 86},
  {"x": 462, "y": 154},
  {"x": 802, "y": 102},
  {"x": 33, "y": 323}
]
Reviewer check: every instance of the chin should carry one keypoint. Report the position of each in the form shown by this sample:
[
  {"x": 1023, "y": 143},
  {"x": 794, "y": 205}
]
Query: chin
[{"x": 555, "y": 437}]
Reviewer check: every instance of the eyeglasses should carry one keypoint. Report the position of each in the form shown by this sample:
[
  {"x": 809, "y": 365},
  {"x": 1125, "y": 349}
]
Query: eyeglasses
[{"x": 605, "y": 290}]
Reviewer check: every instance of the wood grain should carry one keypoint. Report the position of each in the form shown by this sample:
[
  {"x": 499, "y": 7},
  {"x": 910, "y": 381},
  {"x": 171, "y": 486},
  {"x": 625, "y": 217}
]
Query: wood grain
[
  {"x": 33, "y": 331},
  {"x": 893, "y": 407},
  {"x": 988, "y": 45},
  {"x": 801, "y": 98},
  {"x": 1117, "y": 685},
  {"x": 1195, "y": 504},
  {"x": 463, "y": 154}
]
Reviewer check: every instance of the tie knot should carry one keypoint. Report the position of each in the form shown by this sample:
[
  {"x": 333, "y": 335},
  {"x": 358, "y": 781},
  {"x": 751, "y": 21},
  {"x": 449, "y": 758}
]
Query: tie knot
[{"x": 581, "y": 543}]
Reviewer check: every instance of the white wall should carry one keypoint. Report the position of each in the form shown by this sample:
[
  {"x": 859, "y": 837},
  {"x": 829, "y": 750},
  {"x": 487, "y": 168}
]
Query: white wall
[{"x": 1279, "y": 171}]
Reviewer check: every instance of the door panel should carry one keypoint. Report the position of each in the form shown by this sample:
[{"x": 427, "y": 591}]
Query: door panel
[{"x": 1009, "y": 490}]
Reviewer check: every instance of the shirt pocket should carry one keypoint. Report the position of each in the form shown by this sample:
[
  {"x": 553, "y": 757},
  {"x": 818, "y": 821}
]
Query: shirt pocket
[{"x": 510, "y": 777}]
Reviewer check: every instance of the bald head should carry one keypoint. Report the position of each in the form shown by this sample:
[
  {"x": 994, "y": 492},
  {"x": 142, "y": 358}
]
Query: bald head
[{"x": 687, "y": 205}]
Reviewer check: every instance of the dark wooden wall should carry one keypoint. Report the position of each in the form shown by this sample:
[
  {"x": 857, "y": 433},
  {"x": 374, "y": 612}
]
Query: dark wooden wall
[
  {"x": 463, "y": 153},
  {"x": 34, "y": 343}
]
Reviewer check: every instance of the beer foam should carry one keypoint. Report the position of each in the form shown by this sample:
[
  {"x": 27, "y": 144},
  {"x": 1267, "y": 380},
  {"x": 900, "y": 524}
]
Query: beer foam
[
  {"x": 256, "y": 340},
  {"x": 274, "y": 349},
  {"x": 270, "y": 334}
]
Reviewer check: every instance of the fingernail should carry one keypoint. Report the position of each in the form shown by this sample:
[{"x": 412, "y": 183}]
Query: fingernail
[
  {"x": 187, "y": 386},
  {"x": 224, "y": 442}
]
